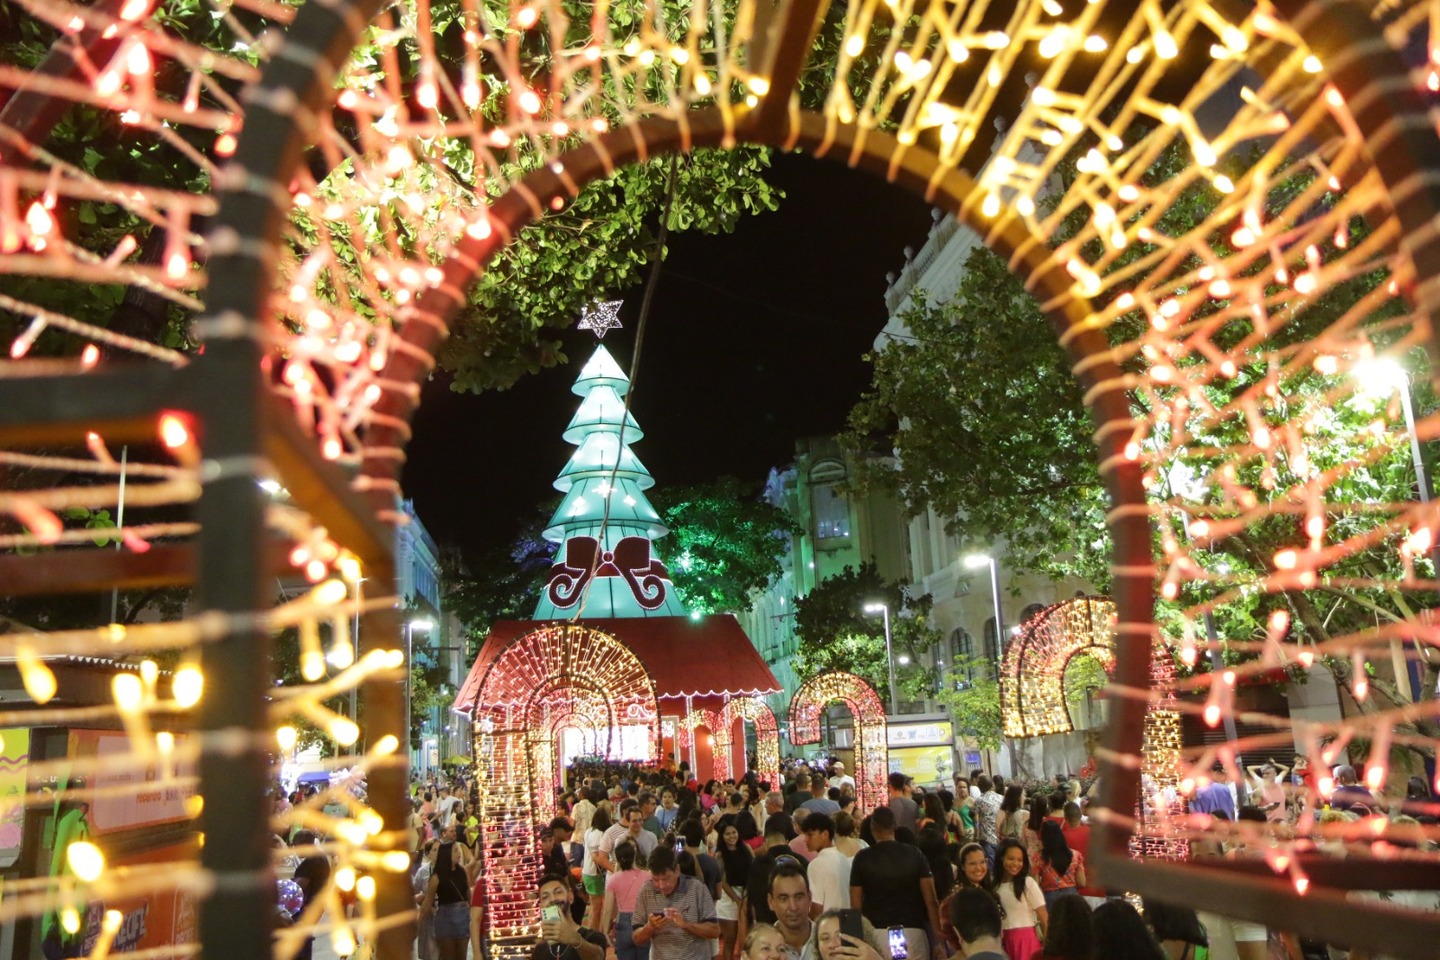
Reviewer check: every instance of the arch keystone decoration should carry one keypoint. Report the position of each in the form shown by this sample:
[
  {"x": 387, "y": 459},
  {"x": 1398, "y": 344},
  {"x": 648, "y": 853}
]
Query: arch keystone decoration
[{"x": 872, "y": 748}]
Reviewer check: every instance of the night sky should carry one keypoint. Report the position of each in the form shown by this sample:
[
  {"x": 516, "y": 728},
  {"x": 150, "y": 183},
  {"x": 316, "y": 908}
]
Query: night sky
[{"x": 754, "y": 340}]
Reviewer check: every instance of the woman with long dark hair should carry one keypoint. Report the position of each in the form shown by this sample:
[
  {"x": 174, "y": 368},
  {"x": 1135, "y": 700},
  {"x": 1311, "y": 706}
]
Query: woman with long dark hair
[
  {"x": 1059, "y": 870},
  {"x": 590, "y": 873},
  {"x": 932, "y": 844},
  {"x": 1118, "y": 933},
  {"x": 735, "y": 858},
  {"x": 620, "y": 893},
  {"x": 1010, "y": 821},
  {"x": 1068, "y": 936},
  {"x": 1021, "y": 901},
  {"x": 1177, "y": 928},
  {"x": 1039, "y": 810}
]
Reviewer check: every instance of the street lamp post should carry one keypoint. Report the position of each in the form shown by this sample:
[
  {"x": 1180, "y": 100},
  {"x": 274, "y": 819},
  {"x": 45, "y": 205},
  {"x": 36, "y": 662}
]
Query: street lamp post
[
  {"x": 420, "y": 623},
  {"x": 974, "y": 562},
  {"x": 884, "y": 610}
]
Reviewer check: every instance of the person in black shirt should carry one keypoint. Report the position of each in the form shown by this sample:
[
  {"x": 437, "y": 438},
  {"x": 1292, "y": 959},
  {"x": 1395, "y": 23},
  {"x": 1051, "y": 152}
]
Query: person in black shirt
[
  {"x": 560, "y": 937},
  {"x": 892, "y": 885},
  {"x": 447, "y": 897},
  {"x": 313, "y": 876}
]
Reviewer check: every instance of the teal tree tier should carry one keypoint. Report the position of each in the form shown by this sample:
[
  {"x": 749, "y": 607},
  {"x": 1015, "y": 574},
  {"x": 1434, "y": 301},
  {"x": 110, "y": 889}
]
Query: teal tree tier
[{"x": 605, "y": 525}]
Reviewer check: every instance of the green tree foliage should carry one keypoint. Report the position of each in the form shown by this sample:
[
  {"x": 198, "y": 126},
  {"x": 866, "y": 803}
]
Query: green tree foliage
[
  {"x": 988, "y": 428},
  {"x": 836, "y": 633},
  {"x": 725, "y": 543},
  {"x": 972, "y": 695},
  {"x": 995, "y": 432},
  {"x": 604, "y": 242}
]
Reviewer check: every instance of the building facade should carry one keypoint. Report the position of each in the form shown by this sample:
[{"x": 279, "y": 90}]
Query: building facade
[
  {"x": 841, "y": 529},
  {"x": 433, "y": 636}
]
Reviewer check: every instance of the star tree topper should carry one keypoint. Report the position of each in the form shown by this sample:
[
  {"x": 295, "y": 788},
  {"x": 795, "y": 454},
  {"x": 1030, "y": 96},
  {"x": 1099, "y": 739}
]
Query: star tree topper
[{"x": 600, "y": 318}]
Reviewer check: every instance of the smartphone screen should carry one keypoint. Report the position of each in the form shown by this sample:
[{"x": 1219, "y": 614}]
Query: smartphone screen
[
  {"x": 898, "y": 950},
  {"x": 679, "y": 846},
  {"x": 851, "y": 924}
]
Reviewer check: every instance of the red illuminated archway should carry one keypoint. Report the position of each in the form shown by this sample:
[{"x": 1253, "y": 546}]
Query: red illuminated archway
[
  {"x": 872, "y": 752},
  {"x": 719, "y": 748},
  {"x": 557, "y": 677},
  {"x": 767, "y": 734}
]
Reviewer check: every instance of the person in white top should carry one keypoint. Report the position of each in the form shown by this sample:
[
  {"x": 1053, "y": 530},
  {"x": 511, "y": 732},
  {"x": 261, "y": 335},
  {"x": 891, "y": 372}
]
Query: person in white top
[
  {"x": 839, "y": 778},
  {"x": 1020, "y": 900},
  {"x": 829, "y": 871},
  {"x": 590, "y": 873},
  {"x": 445, "y": 807}
]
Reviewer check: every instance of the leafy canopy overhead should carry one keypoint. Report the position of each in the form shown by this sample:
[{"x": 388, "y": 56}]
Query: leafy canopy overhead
[{"x": 836, "y": 633}]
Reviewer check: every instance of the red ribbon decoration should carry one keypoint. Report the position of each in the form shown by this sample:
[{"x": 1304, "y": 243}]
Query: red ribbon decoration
[{"x": 630, "y": 561}]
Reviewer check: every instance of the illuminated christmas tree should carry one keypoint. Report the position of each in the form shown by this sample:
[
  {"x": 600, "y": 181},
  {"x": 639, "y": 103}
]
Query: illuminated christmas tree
[{"x": 606, "y": 565}]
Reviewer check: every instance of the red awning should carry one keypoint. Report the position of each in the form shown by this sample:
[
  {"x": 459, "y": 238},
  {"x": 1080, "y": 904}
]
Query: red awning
[{"x": 709, "y": 657}]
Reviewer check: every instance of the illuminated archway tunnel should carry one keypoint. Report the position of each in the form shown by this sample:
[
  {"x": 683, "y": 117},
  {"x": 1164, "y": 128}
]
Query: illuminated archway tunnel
[
  {"x": 541, "y": 683},
  {"x": 1032, "y": 671},
  {"x": 872, "y": 747},
  {"x": 766, "y": 759},
  {"x": 1187, "y": 339}
]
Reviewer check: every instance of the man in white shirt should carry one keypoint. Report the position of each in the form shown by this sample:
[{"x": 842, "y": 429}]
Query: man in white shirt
[
  {"x": 445, "y": 807},
  {"x": 839, "y": 778},
  {"x": 631, "y": 827},
  {"x": 829, "y": 872}
]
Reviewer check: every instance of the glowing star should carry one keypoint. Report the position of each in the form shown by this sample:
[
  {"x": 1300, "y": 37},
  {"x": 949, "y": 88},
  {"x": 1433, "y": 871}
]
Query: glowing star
[{"x": 600, "y": 318}]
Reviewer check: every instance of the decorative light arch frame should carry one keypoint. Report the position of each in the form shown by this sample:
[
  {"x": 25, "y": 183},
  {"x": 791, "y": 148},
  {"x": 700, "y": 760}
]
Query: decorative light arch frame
[
  {"x": 1032, "y": 671},
  {"x": 1374, "y": 95},
  {"x": 872, "y": 745},
  {"x": 767, "y": 734},
  {"x": 720, "y": 740},
  {"x": 543, "y": 681}
]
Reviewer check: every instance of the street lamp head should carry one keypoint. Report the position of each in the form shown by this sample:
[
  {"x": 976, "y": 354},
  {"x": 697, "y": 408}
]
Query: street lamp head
[
  {"x": 977, "y": 560},
  {"x": 422, "y": 623},
  {"x": 876, "y": 607},
  {"x": 1378, "y": 376},
  {"x": 903, "y": 660}
]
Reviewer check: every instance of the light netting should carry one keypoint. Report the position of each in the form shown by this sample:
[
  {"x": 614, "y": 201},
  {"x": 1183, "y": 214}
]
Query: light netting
[{"x": 1226, "y": 208}]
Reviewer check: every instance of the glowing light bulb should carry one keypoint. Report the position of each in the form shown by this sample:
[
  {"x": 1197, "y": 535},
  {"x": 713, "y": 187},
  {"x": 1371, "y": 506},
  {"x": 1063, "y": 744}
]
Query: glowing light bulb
[
  {"x": 287, "y": 736},
  {"x": 129, "y": 692},
  {"x": 343, "y": 731},
  {"x": 173, "y": 432},
  {"x": 85, "y": 860},
  {"x": 188, "y": 686}
]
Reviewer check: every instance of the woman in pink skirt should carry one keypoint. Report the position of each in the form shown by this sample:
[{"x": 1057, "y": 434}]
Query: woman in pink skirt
[{"x": 1020, "y": 900}]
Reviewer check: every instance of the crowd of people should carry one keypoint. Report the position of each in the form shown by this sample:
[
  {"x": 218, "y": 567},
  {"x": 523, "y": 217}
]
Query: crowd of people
[{"x": 650, "y": 864}]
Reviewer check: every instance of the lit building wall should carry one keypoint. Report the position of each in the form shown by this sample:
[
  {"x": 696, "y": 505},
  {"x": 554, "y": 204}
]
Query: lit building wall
[
  {"x": 420, "y": 587},
  {"x": 840, "y": 529}
]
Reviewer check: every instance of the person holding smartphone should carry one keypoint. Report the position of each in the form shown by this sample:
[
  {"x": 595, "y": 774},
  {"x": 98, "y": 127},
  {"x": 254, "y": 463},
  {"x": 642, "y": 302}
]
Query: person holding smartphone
[
  {"x": 560, "y": 937},
  {"x": 674, "y": 913},
  {"x": 842, "y": 935}
]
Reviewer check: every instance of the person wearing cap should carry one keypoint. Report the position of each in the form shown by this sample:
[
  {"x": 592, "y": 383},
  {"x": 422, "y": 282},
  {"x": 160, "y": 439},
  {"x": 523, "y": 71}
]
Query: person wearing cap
[{"x": 839, "y": 778}]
